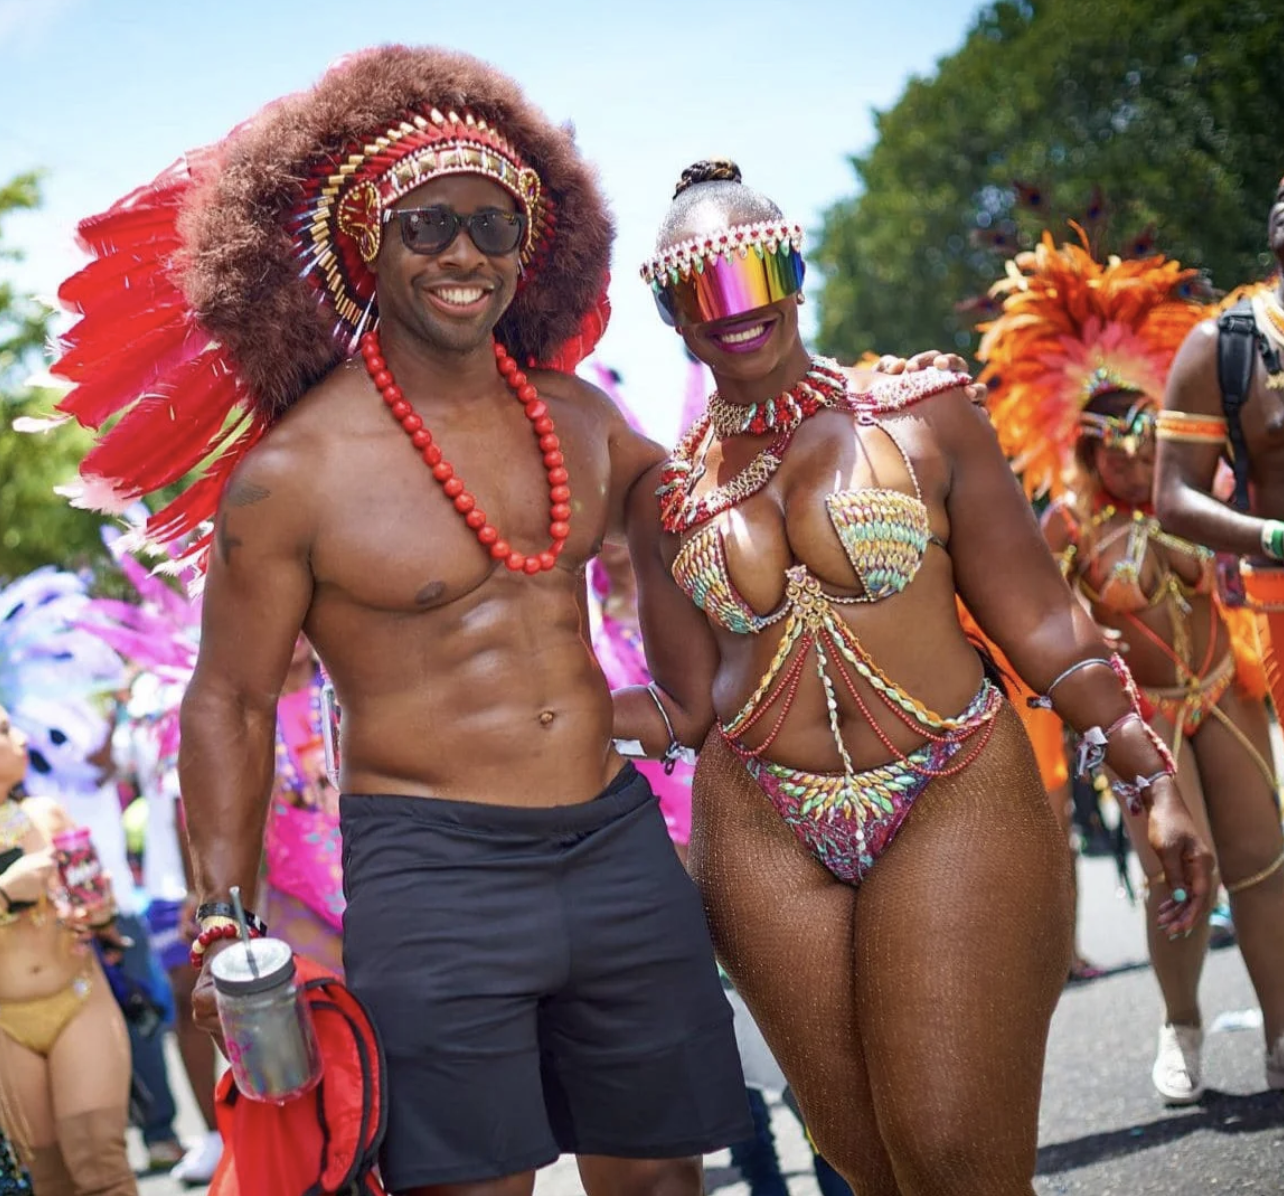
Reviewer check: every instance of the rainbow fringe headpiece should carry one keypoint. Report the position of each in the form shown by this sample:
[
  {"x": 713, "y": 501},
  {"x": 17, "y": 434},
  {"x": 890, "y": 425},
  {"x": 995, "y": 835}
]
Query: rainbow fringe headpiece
[
  {"x": 1072, "y": 329},
  {"x": 737, "y": 270}
]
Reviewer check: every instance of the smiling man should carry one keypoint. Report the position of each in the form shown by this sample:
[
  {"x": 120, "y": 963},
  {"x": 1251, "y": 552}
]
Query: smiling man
[{"x": 383, "y": 265}]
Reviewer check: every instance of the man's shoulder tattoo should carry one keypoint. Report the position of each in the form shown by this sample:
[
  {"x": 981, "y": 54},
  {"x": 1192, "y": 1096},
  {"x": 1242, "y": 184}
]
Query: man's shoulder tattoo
[{"x": 246, "y": 494}]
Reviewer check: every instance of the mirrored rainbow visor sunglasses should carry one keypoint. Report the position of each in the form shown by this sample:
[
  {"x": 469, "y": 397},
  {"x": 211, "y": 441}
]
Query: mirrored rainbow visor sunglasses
[{"x": 736, "y": 271}]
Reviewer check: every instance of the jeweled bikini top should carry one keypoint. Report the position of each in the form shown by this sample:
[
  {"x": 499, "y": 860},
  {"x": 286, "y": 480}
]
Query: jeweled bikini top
[
  {"x": 885, "y": 533},
  {"x": 15, "y": 826},
  {"x": 1122, "y": 589}
]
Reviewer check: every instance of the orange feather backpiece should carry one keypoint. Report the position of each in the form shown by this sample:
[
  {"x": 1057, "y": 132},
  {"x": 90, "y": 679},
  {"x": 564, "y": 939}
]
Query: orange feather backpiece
[{"x": 1070, "y": 328}]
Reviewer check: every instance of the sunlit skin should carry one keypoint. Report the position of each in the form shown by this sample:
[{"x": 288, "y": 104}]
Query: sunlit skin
[
  {"x": 1127, "y": 477},
  {"x": 413, "y": 288},
  {"x": 764, "y": 373}
]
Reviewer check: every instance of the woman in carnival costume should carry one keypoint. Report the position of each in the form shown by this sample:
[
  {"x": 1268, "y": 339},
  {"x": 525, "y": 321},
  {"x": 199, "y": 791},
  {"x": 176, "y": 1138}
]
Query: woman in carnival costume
[
  {"x": 845, "y": 835},
  {"x": 302, "y": 891},
  {"x": 64, "y": 1052},
  {"x": 1077, "y": 362}
]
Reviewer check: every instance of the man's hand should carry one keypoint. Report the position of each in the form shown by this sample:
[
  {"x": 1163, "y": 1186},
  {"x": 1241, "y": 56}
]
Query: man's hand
[
  {"x": 950, "y": 363},
  {"x": 204, "y": 1006}
]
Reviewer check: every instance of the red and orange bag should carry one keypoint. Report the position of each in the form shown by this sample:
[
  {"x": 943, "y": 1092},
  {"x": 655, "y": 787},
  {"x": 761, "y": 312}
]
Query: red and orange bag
[{"x": 326, "y": 1142}]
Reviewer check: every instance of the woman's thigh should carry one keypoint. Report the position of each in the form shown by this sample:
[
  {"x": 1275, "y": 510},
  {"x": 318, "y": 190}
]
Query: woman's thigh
[
  {"x": 89, "y": 1065},
  {"x": 1243, "y": 808},
  {"x": 963, "y": 935},
  {"x": 783, "y": 929},
  {"x": 26, "y": 1103}
]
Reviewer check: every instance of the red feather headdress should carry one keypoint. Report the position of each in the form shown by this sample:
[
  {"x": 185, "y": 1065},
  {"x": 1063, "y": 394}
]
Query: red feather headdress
[
  {"x": 1071, "y": 329},
  {"x": 224, "y": 289}
]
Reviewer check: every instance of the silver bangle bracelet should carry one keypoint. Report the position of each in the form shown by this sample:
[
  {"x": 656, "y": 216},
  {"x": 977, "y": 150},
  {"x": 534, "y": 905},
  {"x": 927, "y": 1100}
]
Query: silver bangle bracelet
[
  {"x": 1044, "y": 701},
  {"x": 675, "y": 751}
]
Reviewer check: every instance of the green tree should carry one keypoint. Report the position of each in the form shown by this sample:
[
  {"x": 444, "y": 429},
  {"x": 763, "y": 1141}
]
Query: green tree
[
  {"x": 37, "y": 526},
  {"x": 1151, "y": 121}
]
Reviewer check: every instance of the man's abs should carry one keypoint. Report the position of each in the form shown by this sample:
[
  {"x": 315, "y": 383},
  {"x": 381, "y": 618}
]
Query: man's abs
[{"x": 497, "y": 700}]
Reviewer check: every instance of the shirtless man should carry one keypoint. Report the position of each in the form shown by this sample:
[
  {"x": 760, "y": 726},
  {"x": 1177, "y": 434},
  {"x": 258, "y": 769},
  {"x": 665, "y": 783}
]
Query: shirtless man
[
  {"x": 1193, "y": 436},
  {"x": 532, "y": 952}
]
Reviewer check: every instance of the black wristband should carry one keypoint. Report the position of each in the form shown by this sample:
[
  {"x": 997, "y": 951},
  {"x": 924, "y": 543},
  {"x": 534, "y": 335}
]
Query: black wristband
[{"x": 221, "y": 909}]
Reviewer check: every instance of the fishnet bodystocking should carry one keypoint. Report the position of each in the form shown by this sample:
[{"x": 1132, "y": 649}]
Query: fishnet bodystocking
[{"x": 910, "y": 1015}]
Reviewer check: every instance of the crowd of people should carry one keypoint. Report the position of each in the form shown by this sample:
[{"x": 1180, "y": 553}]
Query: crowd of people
[{"x": 658, "y": 778}]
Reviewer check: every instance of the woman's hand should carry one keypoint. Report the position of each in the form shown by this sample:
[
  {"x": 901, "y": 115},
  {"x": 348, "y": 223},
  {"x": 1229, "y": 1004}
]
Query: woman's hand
[
  {"x": 102, "y": 908},
  {"x": 1186, "y": 859},
  {"x": 27, "y": 879}
]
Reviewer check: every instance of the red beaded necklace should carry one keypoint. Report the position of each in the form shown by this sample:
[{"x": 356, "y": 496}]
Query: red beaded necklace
[{"x": 559, "y": 492}]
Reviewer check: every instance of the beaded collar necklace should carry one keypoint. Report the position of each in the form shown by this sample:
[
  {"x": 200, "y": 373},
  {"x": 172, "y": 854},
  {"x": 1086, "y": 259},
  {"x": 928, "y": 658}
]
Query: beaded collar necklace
[
  {"x": 681, "y": 510},
  {"x": 824, "y": 385}
]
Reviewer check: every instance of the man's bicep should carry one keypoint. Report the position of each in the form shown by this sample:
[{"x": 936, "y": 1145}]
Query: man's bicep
[
  {"x": 1193, "y": 386},
  {"x": 1185, "y": 454},
  {"x": 257, "y": 593}
]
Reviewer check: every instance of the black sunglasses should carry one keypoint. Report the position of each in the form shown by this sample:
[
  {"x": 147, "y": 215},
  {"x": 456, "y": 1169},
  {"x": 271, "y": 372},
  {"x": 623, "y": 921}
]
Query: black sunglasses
[{"x": 434, "y": 229}]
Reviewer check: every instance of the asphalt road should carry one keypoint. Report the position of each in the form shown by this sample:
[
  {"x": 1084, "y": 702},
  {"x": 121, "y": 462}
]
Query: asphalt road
[{"x": 1103, "y": 1130}]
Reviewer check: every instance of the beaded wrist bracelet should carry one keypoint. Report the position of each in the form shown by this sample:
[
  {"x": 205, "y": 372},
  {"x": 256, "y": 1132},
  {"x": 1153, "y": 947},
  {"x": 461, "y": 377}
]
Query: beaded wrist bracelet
[
  {"x": 1130, "y": 794},
  {"x": 214, "y": 929},
  {"x": 209, "y": 910}
]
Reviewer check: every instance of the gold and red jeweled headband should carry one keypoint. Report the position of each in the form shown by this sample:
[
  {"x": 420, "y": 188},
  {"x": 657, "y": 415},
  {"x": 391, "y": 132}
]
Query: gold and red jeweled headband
[
  {"x": 340, "y": 228},
  {"x": 1126, "y": 432},
  {"x": 737, "y": 270}
]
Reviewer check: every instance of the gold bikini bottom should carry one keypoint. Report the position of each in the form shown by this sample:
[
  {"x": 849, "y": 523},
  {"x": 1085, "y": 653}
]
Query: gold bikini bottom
[{"x": 37, "y": 1024}]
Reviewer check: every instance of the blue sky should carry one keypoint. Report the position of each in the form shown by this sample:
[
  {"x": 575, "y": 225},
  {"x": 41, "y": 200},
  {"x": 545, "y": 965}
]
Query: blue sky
[{"x": 103, "y": 94}]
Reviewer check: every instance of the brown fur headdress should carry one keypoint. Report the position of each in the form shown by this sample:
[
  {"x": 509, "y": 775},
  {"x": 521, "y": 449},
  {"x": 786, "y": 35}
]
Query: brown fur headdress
[{"x": 232, "y": 283}]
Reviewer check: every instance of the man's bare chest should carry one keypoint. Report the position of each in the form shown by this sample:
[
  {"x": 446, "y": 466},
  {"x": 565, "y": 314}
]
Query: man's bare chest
[{"x": 391, "y": 536}]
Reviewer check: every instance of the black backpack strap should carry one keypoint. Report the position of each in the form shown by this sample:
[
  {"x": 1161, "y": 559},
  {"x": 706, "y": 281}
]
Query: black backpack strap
[{"x": 1237, "y": 338}]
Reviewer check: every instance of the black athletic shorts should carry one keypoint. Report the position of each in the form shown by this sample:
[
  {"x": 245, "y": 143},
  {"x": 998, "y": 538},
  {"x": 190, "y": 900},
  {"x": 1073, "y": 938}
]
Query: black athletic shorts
[{"x": 542, "y": 980}]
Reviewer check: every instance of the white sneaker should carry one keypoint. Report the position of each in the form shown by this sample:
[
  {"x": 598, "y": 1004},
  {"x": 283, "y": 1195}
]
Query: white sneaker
[
  {"x": 1275, "y": 1065},
  {"x": 1176, "y": 1073},
  {"x": 197, "y": 1165}
]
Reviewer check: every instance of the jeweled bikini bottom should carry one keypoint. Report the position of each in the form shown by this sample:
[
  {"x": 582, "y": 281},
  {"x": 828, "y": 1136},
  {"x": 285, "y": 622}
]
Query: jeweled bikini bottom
[{"x": 848, "y": 820}]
